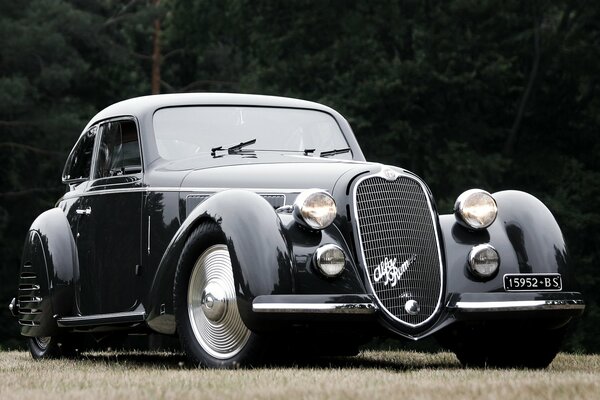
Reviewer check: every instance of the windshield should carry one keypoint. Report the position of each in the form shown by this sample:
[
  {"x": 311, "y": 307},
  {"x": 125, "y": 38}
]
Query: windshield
[{"x": 183, "y": 132}]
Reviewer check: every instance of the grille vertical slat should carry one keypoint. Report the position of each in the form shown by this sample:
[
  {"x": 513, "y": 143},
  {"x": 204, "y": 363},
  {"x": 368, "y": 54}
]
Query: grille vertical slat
[{"x": 397, "y": 233}]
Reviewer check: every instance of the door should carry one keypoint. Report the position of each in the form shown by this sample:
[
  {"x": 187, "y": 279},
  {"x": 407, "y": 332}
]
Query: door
[{"x": 109, "y": 229}]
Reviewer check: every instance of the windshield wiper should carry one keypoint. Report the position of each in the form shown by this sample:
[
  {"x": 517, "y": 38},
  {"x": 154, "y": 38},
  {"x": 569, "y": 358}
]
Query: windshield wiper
[
  {"x": 235, "y": 149},
  {"x": 334, "y": 152}
]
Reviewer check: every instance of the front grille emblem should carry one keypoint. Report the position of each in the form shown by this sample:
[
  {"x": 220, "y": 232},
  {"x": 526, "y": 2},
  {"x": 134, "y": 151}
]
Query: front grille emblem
[{"x": 389, "y": 174}]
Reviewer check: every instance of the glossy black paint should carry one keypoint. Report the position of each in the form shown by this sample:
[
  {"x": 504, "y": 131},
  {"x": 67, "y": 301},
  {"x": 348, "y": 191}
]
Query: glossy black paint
[
  {"x": 261, "y": 262},
  {"x": 525, "y": 234},
  {"x": 49, "y": 254},
  {"x": 113, "y": 268},
  {"x": 109, "y": 246}
]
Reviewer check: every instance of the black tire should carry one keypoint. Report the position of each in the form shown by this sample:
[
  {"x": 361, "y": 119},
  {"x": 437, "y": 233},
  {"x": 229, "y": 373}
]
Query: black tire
[
  {"x": 210, "y": 328},
  {"x": 487, "y": 347},
  {"x": 49, "y": 347}
]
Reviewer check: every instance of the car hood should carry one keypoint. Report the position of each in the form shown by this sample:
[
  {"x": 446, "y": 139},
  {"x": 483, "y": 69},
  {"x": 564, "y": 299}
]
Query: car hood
[{"x": 271, "y": 176}]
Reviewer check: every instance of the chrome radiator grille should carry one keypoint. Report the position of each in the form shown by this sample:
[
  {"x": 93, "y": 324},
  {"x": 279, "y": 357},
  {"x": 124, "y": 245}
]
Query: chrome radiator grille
[{"x": 397, "y": 236}]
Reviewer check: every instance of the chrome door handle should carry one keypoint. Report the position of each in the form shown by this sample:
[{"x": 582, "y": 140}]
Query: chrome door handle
[{"x": 86, "y": 211}]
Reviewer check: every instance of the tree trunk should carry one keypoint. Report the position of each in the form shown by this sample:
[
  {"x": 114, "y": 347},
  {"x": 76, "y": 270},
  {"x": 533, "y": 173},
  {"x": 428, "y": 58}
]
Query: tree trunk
[{"x": 156, "y": 57}]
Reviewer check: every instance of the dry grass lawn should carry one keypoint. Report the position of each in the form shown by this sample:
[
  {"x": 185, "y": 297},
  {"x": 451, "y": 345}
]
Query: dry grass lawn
[{"x": 372, "y": 375}]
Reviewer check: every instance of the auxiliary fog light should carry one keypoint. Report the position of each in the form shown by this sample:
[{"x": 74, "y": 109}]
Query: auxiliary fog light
[
  {"x": 315, "y": 209},
  {"x": 330, "y": 259},
  {"x": 475, "y": 209},
  {"x": 484, "y": 260}
]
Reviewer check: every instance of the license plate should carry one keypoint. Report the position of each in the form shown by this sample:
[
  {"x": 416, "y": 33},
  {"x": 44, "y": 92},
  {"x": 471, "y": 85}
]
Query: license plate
[{"x": 532, "y": 282}]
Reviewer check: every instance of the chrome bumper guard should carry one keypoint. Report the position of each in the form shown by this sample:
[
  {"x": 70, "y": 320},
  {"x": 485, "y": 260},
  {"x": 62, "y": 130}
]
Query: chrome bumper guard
[
  {"x": 566, "y": 302},
  {"x": 314, "y": 304}
]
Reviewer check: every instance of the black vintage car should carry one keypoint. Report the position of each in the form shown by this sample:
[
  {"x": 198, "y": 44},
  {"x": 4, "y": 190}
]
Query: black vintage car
[{"x": 250, "y": 225}]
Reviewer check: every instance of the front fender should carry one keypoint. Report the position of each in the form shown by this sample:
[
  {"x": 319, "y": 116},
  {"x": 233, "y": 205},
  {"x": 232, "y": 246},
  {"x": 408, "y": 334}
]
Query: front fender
[
  {"x": 46, "y": 278},
  {"x": 261, "y": 255},
  {"x": 525, "y": 234}
]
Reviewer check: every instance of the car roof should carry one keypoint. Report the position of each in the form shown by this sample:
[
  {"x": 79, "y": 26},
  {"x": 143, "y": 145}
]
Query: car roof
[{"x": 140, "y": 106}]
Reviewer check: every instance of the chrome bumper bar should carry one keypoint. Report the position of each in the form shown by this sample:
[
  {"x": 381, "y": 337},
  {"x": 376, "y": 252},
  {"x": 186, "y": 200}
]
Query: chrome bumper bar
[
  {"x": 569, "y": 302},
  {"x": 314, "y": 304},
  {"x": 525, "y": 305}
]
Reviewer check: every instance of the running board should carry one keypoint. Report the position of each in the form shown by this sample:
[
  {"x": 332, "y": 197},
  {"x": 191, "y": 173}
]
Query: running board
[{"x": 122, "y": 318}]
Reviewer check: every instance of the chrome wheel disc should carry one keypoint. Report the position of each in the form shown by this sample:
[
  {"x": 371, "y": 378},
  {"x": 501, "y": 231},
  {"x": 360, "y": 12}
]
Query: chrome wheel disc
[
  {"x": 42, "y": 341},
  {"x": 212, "y": 306}
]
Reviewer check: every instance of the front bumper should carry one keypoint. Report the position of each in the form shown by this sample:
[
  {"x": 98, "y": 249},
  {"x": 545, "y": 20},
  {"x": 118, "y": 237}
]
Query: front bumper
[
  {"x": 461, "y": 305},
  {"x": 362, "y": 311},
  {"x": 502, "y": 304}
]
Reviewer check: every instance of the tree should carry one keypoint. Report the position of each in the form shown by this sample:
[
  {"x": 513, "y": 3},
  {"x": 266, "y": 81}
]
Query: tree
[{"x": 57, "y": 68}]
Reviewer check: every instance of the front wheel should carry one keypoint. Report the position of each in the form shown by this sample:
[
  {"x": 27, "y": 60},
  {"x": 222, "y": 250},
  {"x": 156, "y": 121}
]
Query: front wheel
[{"x": 209, "y": 324}]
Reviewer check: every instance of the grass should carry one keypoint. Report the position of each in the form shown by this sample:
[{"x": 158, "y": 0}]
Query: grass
[{"x": 371, "y": 375}]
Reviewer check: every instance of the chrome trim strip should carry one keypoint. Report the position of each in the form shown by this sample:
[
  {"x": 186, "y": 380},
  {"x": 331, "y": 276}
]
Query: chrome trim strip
[
  {"x": 128, "y": 317},
  {"x": 149, "y": 234},
  {"x": 315, "y": 308},
  {"x": 28, "y": 288},
  {"x": 435, "y": 219},
  {"x": 30, "y": 311},
  {"x": 220, "y": 189},
  {"x": 519, "y": 305},
  {"x": 116, "y": 186},
  {"x": 24, "y": 322},
  {"x": 71, "y": 195},
  {"x": 149, "y": 189}
]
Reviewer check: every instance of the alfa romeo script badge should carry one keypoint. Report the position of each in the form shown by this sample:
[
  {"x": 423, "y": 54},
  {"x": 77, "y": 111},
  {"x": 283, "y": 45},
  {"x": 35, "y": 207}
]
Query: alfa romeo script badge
[{"x": 389, "y": 272}]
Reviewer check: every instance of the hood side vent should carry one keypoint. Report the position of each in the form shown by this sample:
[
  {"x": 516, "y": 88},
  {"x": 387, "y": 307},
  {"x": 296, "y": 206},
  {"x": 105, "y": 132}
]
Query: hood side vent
[{"x": 194, "y": 200}]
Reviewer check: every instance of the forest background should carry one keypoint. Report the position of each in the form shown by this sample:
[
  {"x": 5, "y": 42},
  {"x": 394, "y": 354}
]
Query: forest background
[{"x": 489, "y": 94}]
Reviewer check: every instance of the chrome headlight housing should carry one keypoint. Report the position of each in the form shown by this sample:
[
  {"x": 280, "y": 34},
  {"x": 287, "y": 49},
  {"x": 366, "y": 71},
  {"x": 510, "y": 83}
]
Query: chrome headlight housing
[
  {"x": 315, "y": 209},
  {"x": 330, "y": 259},
  {"x": 475, "y": 209},
  {"x": 484, "y": 260}
]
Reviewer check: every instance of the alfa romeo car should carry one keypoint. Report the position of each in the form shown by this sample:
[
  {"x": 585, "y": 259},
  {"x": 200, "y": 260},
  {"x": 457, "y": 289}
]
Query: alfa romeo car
[{"x": 250, "y": 226}]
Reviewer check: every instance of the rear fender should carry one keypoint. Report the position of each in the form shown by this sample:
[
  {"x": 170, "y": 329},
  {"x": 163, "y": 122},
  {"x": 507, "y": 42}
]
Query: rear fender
[
  {"x": 261, "y": 255},
  {"x": 46, "y": 277}
]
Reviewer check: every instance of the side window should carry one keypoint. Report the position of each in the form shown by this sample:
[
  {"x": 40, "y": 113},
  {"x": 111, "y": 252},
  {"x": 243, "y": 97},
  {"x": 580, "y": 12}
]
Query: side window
[
  {"x": 79, "y": 162},
  {"x": 119, "y": 150}
]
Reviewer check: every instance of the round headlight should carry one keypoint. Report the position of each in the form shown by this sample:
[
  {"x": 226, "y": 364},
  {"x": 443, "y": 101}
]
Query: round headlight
[
  {"x": 315, "y": 209},
  {"x": 475, "y": 209},
  {"x": 484, "y": 260},
  {"x": 330, "y": 259}
]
